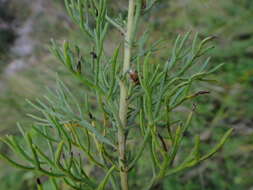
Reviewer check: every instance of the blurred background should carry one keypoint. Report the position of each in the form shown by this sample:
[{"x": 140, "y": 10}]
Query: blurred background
[{"x": 27, "y": 68}]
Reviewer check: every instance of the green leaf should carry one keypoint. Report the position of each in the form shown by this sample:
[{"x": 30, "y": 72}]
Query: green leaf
[
  {"x": 46, "y": 136},
  {"x": 59, "y": 152},
  {"x": 218, "y": 146},
  {"x": 139, "y": 153},
  {"x": 19, "y": 149},
  {"x": 99, "y": 136},
  {"x": 32, "y": 147},
  {"x": 15, "y": 164},
  {"x": 113, "y": 64},
  {"x": 106, "y": 178}
]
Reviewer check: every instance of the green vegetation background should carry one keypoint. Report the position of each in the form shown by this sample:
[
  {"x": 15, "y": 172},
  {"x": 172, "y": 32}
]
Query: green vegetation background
[{"x": 230, "y": 103}]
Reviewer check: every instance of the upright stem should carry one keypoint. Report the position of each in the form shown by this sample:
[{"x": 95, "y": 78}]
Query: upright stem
[{"x": 123, "y": 107}]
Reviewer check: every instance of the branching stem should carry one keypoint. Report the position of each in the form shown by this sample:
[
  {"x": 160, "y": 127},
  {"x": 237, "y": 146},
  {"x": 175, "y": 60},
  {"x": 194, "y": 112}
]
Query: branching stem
[{"x": 123, "y": 107}]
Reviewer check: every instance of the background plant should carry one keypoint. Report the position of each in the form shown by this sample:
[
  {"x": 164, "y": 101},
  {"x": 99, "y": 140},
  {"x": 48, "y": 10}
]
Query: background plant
[{"x": 130, "y": 96}]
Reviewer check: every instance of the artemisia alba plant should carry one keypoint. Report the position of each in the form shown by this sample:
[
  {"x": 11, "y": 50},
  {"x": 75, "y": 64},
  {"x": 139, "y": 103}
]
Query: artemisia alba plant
[{"x": 128, "y": 110}]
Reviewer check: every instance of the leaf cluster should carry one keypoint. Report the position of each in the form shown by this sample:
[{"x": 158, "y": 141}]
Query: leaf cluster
[{"x": 81, "y": 138}]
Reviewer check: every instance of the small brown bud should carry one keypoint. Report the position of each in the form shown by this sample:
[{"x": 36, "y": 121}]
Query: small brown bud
[{"x": 134, "y": 76}]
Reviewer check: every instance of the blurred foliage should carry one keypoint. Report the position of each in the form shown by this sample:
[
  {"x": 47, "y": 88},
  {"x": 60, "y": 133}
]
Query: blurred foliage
[
  {"x": 7, "y": 35},
  {"x": 10, "y": 18},
  {"x": 230, "y": 103}
]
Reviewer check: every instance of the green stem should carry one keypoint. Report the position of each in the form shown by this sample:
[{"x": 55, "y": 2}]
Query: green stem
[{"x": 123, "y": 107}]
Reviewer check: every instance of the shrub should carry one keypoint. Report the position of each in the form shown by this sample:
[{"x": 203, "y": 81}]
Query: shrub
[{"x": 128, "y": 110}]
